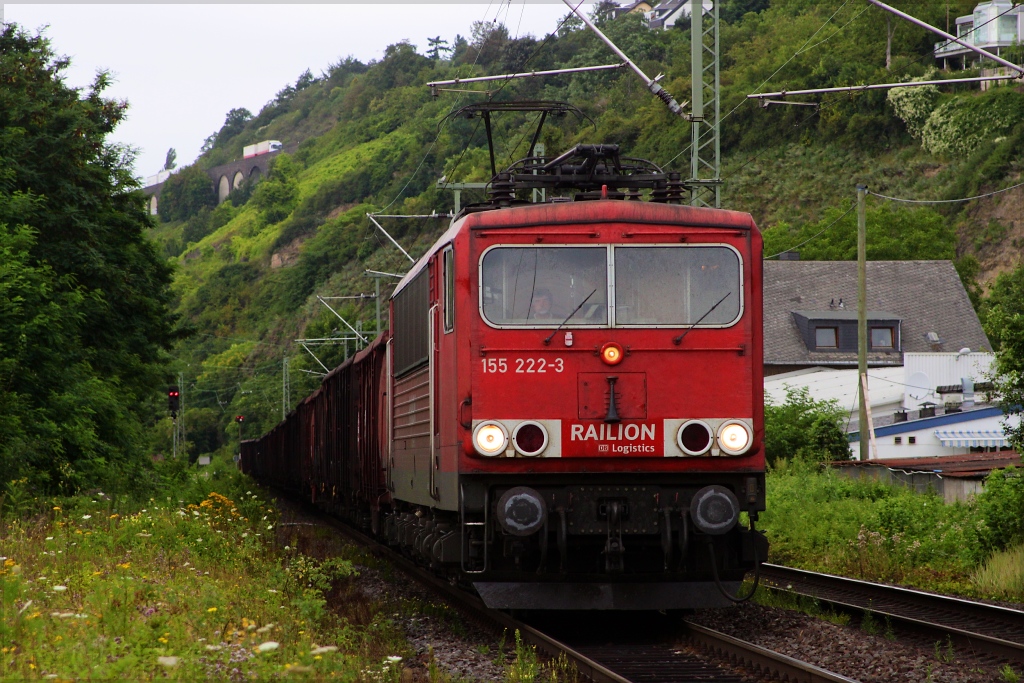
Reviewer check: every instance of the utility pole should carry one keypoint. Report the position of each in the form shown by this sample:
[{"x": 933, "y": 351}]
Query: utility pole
[
  {"x": 181, "y": 418},
  {"x": 286, "y": 389},
  {"x": 862, "y": 323}
]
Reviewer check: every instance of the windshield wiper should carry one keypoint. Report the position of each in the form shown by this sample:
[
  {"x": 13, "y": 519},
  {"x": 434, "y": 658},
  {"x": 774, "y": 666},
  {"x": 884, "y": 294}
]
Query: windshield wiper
[
  {"x": 548, "y": 340},
  {"x": 679, "y": 340}
]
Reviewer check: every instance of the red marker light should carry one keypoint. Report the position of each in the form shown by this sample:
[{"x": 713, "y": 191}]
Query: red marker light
[{"x": 612, "y": 353}]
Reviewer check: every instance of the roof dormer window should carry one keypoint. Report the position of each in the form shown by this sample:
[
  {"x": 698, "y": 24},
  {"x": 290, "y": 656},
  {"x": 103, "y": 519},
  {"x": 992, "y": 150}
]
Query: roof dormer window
[{"x": 826, "y": 337}]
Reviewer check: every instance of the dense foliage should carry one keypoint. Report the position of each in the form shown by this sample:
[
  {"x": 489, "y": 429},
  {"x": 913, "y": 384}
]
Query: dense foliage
[
  {"x": 804, "y": 428},
  {"x": 882, "y": 532},
  {"x": 85, "y": 298},
  {"x": 1003, "y": 318}
]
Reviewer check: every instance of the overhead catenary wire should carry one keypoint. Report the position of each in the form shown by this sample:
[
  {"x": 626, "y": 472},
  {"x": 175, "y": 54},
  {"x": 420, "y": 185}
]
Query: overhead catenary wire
[{"x": 945, "y": 201}]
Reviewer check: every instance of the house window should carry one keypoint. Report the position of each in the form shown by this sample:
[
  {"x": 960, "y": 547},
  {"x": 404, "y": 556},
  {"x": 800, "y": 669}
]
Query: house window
[
  {"x": 881, "y": 337},
  {"x": 897, "y": 440},
  {"x": 911, "y": 440},
  {"x": 826, "y": 337}
]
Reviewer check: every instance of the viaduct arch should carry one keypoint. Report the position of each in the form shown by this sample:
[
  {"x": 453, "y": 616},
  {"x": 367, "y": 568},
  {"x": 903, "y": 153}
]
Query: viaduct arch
[{"x": 226, "y": 177}]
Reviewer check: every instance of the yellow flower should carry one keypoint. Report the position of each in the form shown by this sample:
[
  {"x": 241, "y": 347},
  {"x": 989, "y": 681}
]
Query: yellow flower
[
  {"x": 56, "y": 508},
  {"x": 9, "y": 562},
  {"x": 125, "y": 565},
  {"x": 96, "y": 573},
  {"x": 114, "y": 515},
  {"x": 212, "y": 609},
  {"x": 162, "y": 640}
]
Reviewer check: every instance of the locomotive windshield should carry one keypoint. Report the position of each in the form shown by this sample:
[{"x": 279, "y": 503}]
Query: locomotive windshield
[
  {"x": 676, "y": 285},
  {"x": 541, "y": 286},
  {"x": 671, "y": 286}
]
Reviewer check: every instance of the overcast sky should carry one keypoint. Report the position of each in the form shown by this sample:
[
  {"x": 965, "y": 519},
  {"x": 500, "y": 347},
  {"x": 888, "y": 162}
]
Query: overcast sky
[{"x": 182, "y": 67}]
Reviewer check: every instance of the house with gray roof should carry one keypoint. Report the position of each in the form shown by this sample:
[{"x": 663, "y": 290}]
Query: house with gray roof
[{"x": 810, "y": 313}]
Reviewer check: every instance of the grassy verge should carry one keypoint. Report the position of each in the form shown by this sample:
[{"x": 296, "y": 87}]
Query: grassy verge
[
  {"x": 821, "y": 521},
  {"x": 186, "y": 586}
]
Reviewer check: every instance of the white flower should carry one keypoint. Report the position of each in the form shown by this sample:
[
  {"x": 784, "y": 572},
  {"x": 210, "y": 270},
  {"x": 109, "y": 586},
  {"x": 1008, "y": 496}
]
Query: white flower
[
  {"x": 245, "y": 535},
  {"x": 390, "y": 660},
  {"x": 270, "y": 527},
  {"x": 86, "y": 516},
  {"x": 167, "y": 661},
  {"x": 213, "y": 648},
  {"x": 271, "y": 590},
  {"x": 268, "y": 646},
  {"x": 60, "y": 588},
  {"x": 49, "y": 538},
  {"x": 325, "y": 649}
]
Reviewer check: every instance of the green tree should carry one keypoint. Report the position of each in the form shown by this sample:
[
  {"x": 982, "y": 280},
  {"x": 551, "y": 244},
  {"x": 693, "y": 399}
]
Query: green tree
[
  {"x": 1002, "y": 315},
  {"x": 185, "y": 193},
  {"x": 86, "y": 320},
  {"x": 802, "y": 427},
  {"x": 170, "y": 160}
]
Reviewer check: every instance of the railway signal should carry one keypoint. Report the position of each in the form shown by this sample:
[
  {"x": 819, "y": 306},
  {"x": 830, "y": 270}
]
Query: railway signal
[{"x": 173, "y": 400}]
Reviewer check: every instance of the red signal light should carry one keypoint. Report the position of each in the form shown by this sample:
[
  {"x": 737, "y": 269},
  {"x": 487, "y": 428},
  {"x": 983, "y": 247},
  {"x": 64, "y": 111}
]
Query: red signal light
[
  {"x": 239, "y": 418},
  {"x": 611, "y": 353}
]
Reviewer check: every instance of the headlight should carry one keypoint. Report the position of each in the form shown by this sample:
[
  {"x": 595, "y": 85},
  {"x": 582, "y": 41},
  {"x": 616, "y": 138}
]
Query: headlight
[
  {"x": 490, "y": 438},
  {"x": 695, "y": 437},
  {"x": 530, "y": 438},
  {"x": 734, "y": 438}
]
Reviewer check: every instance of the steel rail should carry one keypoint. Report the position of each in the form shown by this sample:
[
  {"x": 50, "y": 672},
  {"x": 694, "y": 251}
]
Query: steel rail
[
  {"x": 759, "y": 658},
  {"x": 990, "y": 629}
]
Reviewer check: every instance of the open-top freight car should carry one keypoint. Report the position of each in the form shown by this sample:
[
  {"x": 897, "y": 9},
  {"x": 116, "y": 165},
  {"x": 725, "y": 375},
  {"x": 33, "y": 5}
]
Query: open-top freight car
[{"x": 567, "y": 412}]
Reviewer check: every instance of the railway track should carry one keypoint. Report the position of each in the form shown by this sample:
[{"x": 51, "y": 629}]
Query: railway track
[
  {"x": 989, "y": 632},
  {"x": 671, "y": 657}
]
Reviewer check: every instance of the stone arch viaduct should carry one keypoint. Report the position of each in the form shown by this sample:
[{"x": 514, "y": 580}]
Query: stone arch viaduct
[{"x": 226, "y": 177}]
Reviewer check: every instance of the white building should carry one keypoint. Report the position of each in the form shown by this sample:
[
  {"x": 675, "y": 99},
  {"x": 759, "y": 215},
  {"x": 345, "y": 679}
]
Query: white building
[
  {"x": 992, "y": 26},
  {"x": 936, "y": 404}
]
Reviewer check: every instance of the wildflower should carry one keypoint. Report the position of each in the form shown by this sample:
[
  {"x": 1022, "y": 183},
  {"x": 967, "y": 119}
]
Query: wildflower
[
  {"x": 390, "y": 660},
  {"x": 269, "y": 527},
  {"x": 265, "y": 629},
  {"x": 212, "y": 609},
  {"x": 96, "y": 573},
  {"x": 49, "y": 538},
  {"x": 268, "y": 646},
  {"x": 167, "y": 661},
  {"x": 213, "y": 648},
  {"x": 114, "y": 515},
  {"x": 60, "y": 588},
  {"x": 86, "y": 516},
  {"x": 56, "y": 508},
  {"x": 271, "y": 590},
  {"x": 162, "y": 640},
  {"x": 325, "y": 649},
  {"x": 125, "y": 565}
]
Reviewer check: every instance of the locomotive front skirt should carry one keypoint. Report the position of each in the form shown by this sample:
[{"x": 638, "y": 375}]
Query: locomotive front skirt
[{"x": 567, "y": 412}]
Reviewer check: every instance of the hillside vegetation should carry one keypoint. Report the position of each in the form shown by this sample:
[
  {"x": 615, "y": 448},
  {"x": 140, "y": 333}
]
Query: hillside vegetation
[{"x": 370, "y": 137}]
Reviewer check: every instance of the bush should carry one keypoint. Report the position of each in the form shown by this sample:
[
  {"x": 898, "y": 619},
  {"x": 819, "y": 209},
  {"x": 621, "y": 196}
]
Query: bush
[
  {"x": 1001, "y": 505},
  {"x": 803, "y": 428}
]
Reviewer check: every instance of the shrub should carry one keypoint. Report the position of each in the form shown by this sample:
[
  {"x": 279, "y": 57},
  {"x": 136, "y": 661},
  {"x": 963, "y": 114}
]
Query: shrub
[
  {"x": 1002, "y": 507},
  {"x": 961, "y": 124},
  {"x": 802, "y": 427}
]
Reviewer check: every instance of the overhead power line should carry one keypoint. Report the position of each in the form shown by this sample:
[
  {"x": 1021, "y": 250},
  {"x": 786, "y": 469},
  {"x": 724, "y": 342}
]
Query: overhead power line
[{"x": 945, "y": 201}]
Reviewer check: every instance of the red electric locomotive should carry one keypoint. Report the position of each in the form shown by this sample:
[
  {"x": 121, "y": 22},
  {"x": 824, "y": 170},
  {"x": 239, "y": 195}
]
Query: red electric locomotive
[{"x": 567, "y": 412}]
